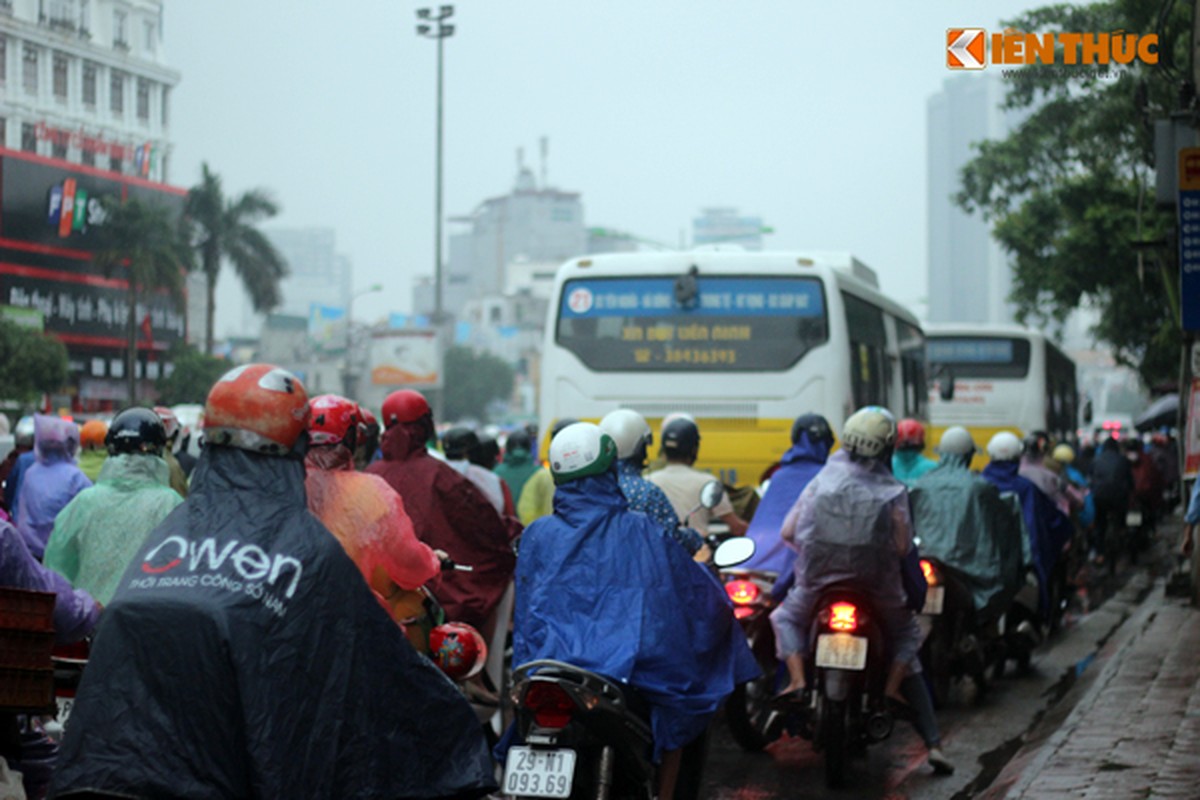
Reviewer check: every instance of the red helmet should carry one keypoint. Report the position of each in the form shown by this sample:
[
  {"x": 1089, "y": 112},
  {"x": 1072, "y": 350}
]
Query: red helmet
[
  {"x": 910, "y": 434},
  {"x": 169, "y": 420},
  {"x": 457, "y": 649},
  {"x": 257, "y": 407},
  {"x": 404, "y": 406},
  {"x": 367, "y": 417},
  {"x": 331, "y": 418}
]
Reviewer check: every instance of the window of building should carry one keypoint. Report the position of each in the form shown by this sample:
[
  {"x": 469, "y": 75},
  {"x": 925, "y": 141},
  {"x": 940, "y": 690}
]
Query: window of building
[
  {"x": 115, "y": 164},
  {"x": 164, "y": 106},
  {"x": 116, "y": 93},
  {"x": 60, "y": 77},
  {"x": 120, "y": 29},
  {"x": 88, "y": 157},
  {"x": 89, "y": 86},
  {"x": 28, "y": 137},
  {"x": 143, "y": 100},
  {"x": 3, "y": 132},
  {"x": 29, "y": 76},
  {"x": 148, "y": 40},
  {"x": 3, "y": 60},
  {"x": 59, "y": 149}
]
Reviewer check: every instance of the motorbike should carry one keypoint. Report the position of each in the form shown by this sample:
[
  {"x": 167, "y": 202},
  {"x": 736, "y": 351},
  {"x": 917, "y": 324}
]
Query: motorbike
[
  {"x": 753, "y": 721},
  {"x": 68, "y": 662},
  {"x": 956, "y": 644},
  {"x": 586, "y": 736}
]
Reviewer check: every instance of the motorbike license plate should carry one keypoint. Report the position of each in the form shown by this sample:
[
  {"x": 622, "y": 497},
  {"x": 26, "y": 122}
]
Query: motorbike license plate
[
  {"x": 1133, "y": 518},
  {"x": 935, "y": 598},
  {"x": 539, "y": 773},
  {"x": 841, "y": 651}
]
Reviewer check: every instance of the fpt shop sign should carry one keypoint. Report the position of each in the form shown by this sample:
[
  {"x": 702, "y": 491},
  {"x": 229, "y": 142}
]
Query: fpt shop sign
[{"x": 47, "y": 205}]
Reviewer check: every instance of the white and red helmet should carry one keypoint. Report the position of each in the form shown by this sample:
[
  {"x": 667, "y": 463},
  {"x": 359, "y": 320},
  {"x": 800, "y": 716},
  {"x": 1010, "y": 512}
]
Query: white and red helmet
[
  {"x": 331, "y": 419},
  {"x": 257, "y": 407}
]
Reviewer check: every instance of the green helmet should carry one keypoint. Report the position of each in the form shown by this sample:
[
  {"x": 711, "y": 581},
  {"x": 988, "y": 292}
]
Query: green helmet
[{"x": 580, "y": 450}]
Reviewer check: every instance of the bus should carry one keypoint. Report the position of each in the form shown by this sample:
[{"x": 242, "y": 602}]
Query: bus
[
  {"x": 743, "y": 341},
  {"x": 992, "y": 378}
]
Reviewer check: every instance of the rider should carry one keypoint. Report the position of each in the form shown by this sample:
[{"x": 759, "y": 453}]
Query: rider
[
  {"x": 50, "y": 482},
  {"x": 361, "y": 510},
  {"x": 179, "y": 480},
  {"x": 537, "y": 497},
  {"x": 682, "y": 483},
  {"x": 518, "y": 468},
  {"x": 100, "y": 531},
  {"x": 1034, "y": 469},
  {"x": 448, "y": 512},
  {"x": 908, "y": 463},
  {"x": 852, "y": 524},
  {"x": 17, "y": 460},
  {"x": 92, "y": 450},
  {"x": 812, "y": 439},
  {"x": 1112, "y": 485},
  {"x": 256, "y": 658},
  {"x": 367, "y": 449},
  {"x": 457, "y": 444},
  {"x": 633, "y": 437},
  {"x": 584, "y": 569}
]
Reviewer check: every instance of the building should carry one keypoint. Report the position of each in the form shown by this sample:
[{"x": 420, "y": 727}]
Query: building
[
  {"x": 317, "y": 273},
  {"x": 970, "y": 277},
  {"x": 86, "y": 81},
  {"x": 725, "y": 226}
]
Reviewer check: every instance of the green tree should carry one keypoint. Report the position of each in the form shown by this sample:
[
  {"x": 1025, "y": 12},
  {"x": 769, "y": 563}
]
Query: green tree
[
  {"x": 150, "y": 249},
  {"x": 192, "y": 376},
  {"x": 225, "y": 228},
  {"x": 1070, "y": 191},
  {"x": 31, "y": 363},
  {"x": 472, "y": 381}
]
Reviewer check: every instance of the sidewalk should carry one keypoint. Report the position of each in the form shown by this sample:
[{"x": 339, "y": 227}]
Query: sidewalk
[{"x": 1134, "y": 732}]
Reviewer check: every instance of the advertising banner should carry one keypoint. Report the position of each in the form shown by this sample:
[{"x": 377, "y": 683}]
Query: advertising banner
[{"x": 405, "y": 358}]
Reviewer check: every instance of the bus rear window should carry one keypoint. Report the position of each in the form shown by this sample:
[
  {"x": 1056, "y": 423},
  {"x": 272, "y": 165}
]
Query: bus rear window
[
  {"x": 728, "y": 324},
  {"x": 979, "y": 356}
]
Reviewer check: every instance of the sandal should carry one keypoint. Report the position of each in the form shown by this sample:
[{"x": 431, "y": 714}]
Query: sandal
[{"x": 787, "y": 701}]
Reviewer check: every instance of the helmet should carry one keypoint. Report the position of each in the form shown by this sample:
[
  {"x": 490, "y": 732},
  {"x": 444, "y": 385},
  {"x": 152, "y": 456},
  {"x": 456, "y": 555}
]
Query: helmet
[
  {"x": 681, "y": 437},
  {"x": 1063, "y": 454},
  {"x": 458, "y": 442},
  {"x": 817, "y": 428},
  {"x": 955, "y": 441},
  {"x": 332, "y": 420},
  {"x": 91, "y": 435},
  {"x": 23, "y": 432},
  {"x": 169, "y": 420},
  {"x": 1005, "y": 446},
  {"x": 257, "y": 407},
  {"x": 869, "y": 432},
  {"x": 458, "y": 650},
  {"x": 518, "y": 440},
  {"x": 580, "y": 450},
  {"x": 136, "y": 430},
  {"x": 404, "y": 406},
  {"x": 629, "y": 430},
  {"x": 910, "y": 434},
  {"x": 1037, "y": 443}
]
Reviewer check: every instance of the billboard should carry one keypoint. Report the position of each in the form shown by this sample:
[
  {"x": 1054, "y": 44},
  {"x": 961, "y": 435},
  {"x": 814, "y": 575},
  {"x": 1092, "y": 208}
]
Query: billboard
[{"x": 405, "y": 358}]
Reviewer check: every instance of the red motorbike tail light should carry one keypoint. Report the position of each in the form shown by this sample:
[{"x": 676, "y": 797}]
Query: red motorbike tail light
[
  {"x": 930, "y": 572},
  {"x": 843, "y": 617},
  {"x": 741, "y": 612},
  {"x": 552, "y": 707},
  {"x": 742, "y": 593}
]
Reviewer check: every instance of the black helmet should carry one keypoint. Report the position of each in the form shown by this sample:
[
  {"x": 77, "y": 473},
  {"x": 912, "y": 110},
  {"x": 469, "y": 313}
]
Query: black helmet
[
  {"x": 681, "y": 437},
  {"x": 136, "y": 430},
  {"x": 518, "y": 440},
  {"x": 817, "y": 428},
  {"x": 1037, "y": 444},
  {"x": 486, "y": 453},
  {"x": 459, "y": 442}
]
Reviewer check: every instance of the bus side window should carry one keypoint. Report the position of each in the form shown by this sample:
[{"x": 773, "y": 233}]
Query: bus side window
[{"x": 868, "y": 352}]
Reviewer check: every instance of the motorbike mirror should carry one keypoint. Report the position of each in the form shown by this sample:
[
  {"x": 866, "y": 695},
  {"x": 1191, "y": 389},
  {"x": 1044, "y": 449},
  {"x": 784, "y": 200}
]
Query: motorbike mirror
[
  {"x": 733, "y": 552},
  {"x": 711, "y": 495}
]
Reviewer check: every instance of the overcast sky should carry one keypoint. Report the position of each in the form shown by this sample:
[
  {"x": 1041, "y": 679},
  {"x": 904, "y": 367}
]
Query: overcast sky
[{"x": 809, "y": 114}]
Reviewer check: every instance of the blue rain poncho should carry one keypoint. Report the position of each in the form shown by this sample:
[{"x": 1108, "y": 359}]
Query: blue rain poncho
[
  {"x": 799, "y": 465},
  {"x": 50, "y": 482},
  {"x": 964, "y": 523},
  {"x": 600, "y": 587},
  {"x": 99, "y": 532}
]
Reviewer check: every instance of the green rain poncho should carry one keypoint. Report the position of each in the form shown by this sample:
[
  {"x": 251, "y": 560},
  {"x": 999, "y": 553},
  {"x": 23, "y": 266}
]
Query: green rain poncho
[{"x": 97, "y": 534}]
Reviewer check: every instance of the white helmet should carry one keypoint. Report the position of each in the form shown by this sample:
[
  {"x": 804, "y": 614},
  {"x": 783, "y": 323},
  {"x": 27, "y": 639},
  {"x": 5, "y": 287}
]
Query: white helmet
[
  {"x": 628, "y": 429},
  {"x": 956, "y": 441},
  {"x": 580, "y": 450},
  {"x": 1005, "y": 446},
  {"x": 869, "y": 432}
]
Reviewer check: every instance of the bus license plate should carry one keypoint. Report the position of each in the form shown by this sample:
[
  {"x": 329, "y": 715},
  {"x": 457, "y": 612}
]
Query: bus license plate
[
  {"x": 1133, "y": 519},
  {"x": 935, "y": 598},
  {"x": 841, "y": 651},
  {"x": 539, "y": 773}
]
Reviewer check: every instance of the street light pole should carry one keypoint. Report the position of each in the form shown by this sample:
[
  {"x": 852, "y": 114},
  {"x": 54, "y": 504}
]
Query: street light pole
[{"x": 349, "y": 388}]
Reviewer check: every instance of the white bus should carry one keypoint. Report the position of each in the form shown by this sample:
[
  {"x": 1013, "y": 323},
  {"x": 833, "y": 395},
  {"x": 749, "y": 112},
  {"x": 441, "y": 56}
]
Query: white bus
[
  {"x": 1004, "y": 377},
  {"x": 744, "y": 342}
]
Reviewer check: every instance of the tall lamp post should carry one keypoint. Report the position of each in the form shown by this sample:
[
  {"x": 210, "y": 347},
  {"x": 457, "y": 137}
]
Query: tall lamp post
[{"x": 348, "y": 373}]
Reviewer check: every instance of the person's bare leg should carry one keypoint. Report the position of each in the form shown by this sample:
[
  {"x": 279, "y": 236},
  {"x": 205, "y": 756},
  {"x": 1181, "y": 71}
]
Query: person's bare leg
[
  {"x": 668, "y": 773},
  {"x": 796, "y": 679}
]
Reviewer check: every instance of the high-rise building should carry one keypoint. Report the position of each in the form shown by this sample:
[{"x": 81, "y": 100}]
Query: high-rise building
[
  {"x": 317, "y": 273},
  {"x": 970, "y": 277},
  {"x": 725, "y": 226}
]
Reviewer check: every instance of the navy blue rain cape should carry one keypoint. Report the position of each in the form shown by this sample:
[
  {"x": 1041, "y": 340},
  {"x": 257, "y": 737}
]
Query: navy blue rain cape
[
  {"x": 600, "y": 587},
  {"x": 243, "y": 656},
  {"x": 799, "y": 465}
]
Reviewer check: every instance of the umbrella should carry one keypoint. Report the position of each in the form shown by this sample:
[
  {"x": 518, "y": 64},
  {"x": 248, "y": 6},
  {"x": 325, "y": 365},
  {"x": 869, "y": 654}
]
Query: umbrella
[{"x": 1163, "y": 411}]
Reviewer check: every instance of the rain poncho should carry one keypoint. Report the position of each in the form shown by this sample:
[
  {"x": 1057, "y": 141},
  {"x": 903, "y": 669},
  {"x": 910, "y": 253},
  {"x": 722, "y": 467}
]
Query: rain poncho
[
  {"x": 1049, "y": 529},
  {"x": 50, "y": 482},
  {"x": 99, "y": 532},
  {"x": 244, "y": 657},
  {"x": 963, "y": 523},
  {"x": 449, "y": 513},
  {"x": 600, "y": 587},
  {"x": 90, "y": 462},
  {"x": 908, "y": 465},
  {"x": 75, "y": 612},
  {"x": 368, "y": 518},
  {"x": 515, "y": 470},
  {"x": 799, "y": 465}
]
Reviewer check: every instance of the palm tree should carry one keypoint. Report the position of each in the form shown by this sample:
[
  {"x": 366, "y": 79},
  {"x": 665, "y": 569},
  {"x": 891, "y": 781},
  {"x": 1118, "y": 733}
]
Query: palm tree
[
  {"x": 152, "y": 251},
  {"x": 225, "y": 229}
]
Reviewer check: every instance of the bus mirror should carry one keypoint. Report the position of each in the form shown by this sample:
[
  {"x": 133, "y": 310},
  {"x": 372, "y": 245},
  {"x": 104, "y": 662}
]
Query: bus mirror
[{"x": 946, "y": 386}]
